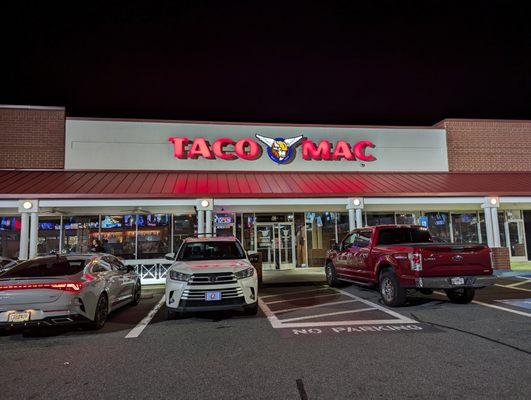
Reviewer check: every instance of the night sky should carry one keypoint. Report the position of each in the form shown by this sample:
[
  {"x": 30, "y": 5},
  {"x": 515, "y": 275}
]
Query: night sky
[{"x": 324, "y": 62}]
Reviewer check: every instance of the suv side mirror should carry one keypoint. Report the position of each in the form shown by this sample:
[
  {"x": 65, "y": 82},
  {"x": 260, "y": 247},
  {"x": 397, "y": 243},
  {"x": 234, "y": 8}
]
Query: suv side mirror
[
  {"x": 253, "y": 257},
  {"x": 170, "y": 256}
]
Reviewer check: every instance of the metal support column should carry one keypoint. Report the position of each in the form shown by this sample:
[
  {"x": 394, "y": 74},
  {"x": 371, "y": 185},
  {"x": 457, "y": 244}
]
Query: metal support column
[
  {"x": 34, "y": 234},
  {"x": 200, "y": 223},
  {"x": 24, "y": 236},
  {"x": 208, "y": 223}
]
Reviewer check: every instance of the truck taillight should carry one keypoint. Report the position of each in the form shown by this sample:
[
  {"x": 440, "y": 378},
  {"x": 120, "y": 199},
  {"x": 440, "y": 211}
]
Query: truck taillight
[{"x": 415, "y": 261}]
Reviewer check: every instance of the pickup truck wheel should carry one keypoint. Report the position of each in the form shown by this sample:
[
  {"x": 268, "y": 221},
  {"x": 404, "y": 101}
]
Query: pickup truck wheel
[
  {"x": 392, "y": 293},
  {"x": 461, "y": 296},
  {"x": 331, "y": 277}
]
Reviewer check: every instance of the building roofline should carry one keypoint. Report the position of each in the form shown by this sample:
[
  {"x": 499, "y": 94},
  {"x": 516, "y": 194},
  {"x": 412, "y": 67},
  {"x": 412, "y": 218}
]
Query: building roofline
[{"x": 27, "y": 107}]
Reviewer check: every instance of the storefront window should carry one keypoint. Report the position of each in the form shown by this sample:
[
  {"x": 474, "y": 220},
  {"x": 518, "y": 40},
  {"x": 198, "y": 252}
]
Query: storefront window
[
  {"x": 343, "y": 226},
  {"x": 225, "y": 224},
  {"x": 49, "y": 235},
  {"x": 117, "y": 235},
  {"x": 439, "y": 226},
  {"x": 79, "y": 233},
  {"x": 9, "y": 236},
  {"x": 516, "y": 233},
  {"x": 321, "y": 235},
  {"x": 465, "y": 228},
  {"x": 380, "y": 219},
  {"x": 248, "y": 231},
  {"x": 153, "y": 235},
  {"x": 405, "y": 218},
  {"x": 184, "y": 226}
]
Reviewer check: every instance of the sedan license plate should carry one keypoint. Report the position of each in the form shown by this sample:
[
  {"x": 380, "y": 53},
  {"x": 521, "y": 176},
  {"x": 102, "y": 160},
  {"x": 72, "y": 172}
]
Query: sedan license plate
[
  {"x": 19, "y": 317},
  {"x": 213, "y": 296},
  {"x": 458, "y": 281}
]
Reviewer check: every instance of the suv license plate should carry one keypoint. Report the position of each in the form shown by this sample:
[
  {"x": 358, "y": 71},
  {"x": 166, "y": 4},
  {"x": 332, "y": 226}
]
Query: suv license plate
[
  {"x": 458, "y": 281},
  {"x": 213, "y": 296},
  {"x": 19, "y": 317}
]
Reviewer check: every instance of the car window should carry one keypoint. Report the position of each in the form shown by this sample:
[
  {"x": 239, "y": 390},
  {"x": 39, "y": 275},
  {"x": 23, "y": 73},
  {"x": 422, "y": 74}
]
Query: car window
[
  {"x": 116, "y": 264},
  {"x": 404, "y": 235},
  {"x": 363, "y": 239},
  {"x": 348, "y": 241},
  {"x": 212, "y": 250},
  {"x": 45, "y": 267},
  {"x": 101, "y": 266}
]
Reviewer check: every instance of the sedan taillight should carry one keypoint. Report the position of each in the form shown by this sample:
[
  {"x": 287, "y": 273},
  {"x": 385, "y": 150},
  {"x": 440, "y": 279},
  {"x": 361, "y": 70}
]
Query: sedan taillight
[{"x": 67, "y": 286}]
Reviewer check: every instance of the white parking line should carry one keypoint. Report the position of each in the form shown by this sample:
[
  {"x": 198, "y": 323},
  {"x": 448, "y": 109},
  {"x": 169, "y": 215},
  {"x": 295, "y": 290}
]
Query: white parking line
[
  {"x": 493, "y": 306},
  {"x": 285, "y": 310},
  {"x": 137, "y": 330},
  {"x": 513, "y": 287},
  {"x": 297, "y": 292},
  {"x": 278, "y": 324},
  {"x": 300, "y": 298},
  {"x": 519, "y": 283},
  {"x": 327, "y": 314}
]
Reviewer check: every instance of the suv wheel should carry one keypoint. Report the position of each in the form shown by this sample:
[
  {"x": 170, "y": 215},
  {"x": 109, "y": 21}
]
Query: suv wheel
[
  {"x": 392, "y": 293},
  {"x": 100, "y": 315},
  {"x": 461, "y": 296},
  {"x": 331, "y": 277}
]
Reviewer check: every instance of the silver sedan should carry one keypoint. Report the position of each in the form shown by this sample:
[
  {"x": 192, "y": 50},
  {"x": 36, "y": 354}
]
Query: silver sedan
[{"x": 60, "y": 290}]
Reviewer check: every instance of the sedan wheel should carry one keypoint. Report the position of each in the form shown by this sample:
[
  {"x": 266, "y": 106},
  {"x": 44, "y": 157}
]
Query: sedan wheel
[
  {"x": 137, "y": 293},
  {"x": 102, "y": 310}
]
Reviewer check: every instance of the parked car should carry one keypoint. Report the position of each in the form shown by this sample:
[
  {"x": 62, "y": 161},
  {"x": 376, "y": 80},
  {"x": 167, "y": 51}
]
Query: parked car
[
  {"x": 60, "y": 290},
  {"x": 6, "y": 263},
  {"x": 211, "y": 274},
  {"x": 399, "y": 258}
]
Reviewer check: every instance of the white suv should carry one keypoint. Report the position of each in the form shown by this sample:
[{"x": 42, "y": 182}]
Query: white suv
[{"x": 211, "y": 274}]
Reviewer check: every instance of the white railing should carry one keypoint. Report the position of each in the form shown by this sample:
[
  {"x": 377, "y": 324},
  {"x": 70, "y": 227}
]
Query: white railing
[{"x": 151, "y": 271}]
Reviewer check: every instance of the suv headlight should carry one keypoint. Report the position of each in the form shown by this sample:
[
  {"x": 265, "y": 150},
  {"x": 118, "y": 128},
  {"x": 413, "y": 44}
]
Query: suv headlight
[
  {"x": 245, "y": 273},
  {"x": 179, "y": 276}
]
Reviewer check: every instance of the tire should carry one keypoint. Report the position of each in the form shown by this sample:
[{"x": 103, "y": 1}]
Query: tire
[
  {"x": 391, "y": 292},
  {"x": 101, "y": 313},
  {"x": 331, "y": 276},
  {"x": 137, "y": 293},
  {"x": 426, "y": 291},
  {"x": 461, "y": 296},
  {"x": 251, "y": 309}
]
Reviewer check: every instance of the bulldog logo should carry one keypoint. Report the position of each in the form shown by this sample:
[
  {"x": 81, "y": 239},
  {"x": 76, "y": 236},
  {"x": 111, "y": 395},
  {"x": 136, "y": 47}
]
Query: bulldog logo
[{"x": 280, "y": 150}]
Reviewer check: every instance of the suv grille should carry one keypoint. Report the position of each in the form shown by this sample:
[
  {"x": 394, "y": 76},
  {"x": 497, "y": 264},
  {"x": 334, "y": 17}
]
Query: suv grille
[
  {"x": 199, "y": 294},
  {"x": 209, "y": 279}
]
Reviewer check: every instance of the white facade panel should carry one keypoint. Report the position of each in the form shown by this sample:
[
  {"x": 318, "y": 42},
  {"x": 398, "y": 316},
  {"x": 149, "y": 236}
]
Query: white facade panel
[{"x": 140, "y": 145}]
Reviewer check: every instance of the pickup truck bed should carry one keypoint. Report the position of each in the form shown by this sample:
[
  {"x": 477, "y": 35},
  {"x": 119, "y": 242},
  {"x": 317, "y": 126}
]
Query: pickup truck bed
[{"x": 399, "y": 258}]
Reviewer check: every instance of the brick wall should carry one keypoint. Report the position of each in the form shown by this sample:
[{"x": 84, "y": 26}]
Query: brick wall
[
  {"x": 488, "y": 145},
  {"x": 501, "y": 258},
  {"x": 32, "y": 137}
]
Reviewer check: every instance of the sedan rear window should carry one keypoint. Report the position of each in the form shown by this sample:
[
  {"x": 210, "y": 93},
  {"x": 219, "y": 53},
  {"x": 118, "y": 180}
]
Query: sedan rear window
[
  {"x": 45, "y": 268},
  {"x": 404, "y": 235}
]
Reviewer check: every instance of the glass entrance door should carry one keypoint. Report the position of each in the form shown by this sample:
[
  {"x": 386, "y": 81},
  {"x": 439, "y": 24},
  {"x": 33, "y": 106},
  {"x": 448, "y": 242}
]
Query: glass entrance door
[{"x": 275, "y": 241}]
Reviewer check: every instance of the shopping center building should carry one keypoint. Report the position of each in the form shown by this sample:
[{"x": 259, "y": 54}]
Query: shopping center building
[{"x": 136, "y": 188}]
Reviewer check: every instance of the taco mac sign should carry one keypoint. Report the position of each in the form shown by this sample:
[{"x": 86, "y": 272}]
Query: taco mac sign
[
  {"x": 280, "y": 150},
  {"x": 152, "y": 145}
]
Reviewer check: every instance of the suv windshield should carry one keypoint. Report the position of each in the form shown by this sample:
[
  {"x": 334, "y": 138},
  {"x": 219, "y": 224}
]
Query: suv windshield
[
  {"x": 45, "y": 268},
  {"x": 404, "y": 235},
  {"x": 222, "y": 250}
]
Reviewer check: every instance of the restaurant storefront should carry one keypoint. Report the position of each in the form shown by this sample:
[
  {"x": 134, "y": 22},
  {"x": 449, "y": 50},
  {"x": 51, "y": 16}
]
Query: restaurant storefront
[{"x": 136, "y": 189}]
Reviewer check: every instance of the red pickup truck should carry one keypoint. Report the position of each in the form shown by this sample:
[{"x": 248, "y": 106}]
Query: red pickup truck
[{"x": 401, "y": 258}]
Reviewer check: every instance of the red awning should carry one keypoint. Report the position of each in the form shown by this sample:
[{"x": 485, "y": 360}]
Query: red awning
[{"x": 238, "y": 184}]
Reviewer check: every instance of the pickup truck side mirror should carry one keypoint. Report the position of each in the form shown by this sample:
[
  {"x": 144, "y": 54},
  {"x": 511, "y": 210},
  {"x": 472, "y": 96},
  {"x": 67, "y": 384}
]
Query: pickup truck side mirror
[
  {"x": 170, "y": 256},
  {"x": 336, "y": 247}
]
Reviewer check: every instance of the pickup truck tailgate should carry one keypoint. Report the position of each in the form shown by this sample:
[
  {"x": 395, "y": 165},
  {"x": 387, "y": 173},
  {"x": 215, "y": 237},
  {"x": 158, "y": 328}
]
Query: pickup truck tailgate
[{"x": 455, "y": 260}]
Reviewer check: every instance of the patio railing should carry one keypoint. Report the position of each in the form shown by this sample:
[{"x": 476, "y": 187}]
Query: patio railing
[{"x": 151, "y": 271}]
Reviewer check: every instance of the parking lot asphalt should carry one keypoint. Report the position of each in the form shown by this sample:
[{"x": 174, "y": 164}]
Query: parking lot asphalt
[{"x": 307, "y": 342}]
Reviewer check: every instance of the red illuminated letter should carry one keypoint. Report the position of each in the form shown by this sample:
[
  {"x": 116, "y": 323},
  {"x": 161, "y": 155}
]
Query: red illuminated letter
[
  {"x": 200, "y": 149},
  {"x": 321, "y": 152},
  {"x": 253, "y": 151},
  {"x": 359, "y": 150},
  {"x": 342, "y": 150},
  {"x": 217, "y": 148},
  {"x": 178, "y": 146}
]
